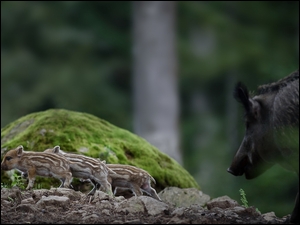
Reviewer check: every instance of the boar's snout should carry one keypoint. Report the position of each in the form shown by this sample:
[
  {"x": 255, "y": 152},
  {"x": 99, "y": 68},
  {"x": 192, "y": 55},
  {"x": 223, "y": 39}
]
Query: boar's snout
[
  {"x": 234, "y": 172},
  {"x": 241, "y": 164},
  {"x": 238, "y": 166}
]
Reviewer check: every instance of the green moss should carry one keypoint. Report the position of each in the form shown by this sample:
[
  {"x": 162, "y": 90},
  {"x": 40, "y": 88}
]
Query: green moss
[{"x": 89, "y": 135}]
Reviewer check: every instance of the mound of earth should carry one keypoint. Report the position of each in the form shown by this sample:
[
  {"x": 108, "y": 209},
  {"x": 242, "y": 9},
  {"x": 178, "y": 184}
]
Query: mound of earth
[{"x": 86, "y": 134}]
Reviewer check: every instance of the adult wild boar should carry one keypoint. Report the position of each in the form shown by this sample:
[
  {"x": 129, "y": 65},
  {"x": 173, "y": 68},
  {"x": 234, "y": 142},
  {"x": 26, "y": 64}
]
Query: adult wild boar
[{"x": 272, "y": 130}]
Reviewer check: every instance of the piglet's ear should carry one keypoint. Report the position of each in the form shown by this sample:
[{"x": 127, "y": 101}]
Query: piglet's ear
[
  {"x": 20, "y": 150},
  {"x": 56, "y": 149},
  {"x": 241, "y": 94}
]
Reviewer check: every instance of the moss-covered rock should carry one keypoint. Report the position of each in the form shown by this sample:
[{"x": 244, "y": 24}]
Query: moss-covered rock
[{"x": 86, "y": 134}]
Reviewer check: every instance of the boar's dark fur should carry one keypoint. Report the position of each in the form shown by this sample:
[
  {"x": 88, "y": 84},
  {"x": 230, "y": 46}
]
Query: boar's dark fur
[{"x": 272, "y": 130}]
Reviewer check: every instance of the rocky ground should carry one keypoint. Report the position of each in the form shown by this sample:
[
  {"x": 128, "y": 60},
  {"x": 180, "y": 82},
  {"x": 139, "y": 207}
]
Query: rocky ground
[{"x": 178, "y": 206}]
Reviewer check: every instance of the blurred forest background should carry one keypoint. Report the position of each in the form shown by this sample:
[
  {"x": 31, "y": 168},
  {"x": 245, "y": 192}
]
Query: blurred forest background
[{"x": 78, "y": 55}]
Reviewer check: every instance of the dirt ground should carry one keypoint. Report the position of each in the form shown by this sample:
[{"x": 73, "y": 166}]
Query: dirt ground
[{"x": 64, "y": 206}]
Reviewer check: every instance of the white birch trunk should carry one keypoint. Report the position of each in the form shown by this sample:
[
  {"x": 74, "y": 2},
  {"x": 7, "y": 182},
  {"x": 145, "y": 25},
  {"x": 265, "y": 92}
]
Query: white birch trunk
[{"x": 156, "y": 104}]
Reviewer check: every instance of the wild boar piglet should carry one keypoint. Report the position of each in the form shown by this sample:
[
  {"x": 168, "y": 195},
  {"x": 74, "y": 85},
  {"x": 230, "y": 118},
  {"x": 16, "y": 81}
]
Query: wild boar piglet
[
  {"x": 131, "y": 178},
  {"x": 37, "y": 164},
  {"x": 86, "y": 168}
]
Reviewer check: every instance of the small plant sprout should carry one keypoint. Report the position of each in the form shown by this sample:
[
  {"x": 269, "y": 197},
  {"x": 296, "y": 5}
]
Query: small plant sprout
[{"x": 244, "y": 199}]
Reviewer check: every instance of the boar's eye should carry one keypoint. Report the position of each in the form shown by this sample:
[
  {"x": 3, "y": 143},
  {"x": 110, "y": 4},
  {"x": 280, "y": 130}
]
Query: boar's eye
[
  {"x": 8, "y": 158},
  {"x": 247, "y": 124}
]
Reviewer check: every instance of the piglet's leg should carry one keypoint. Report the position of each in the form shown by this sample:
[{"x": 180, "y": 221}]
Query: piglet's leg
[
  {"x": 66, "y": 180},
  {"x": 105, "y": 184},
  {"x": 136, "y": 189},
  {"x": 95, "y": 186},
  {"x": 31, "y": 178},
  {"x": 62, "y": 182},
  {"x": 124, "y": 184},
  {"x": 121, "y": 184}
]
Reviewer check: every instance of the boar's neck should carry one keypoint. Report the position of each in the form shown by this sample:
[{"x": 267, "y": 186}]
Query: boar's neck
[{"x": 281, "y": 112}]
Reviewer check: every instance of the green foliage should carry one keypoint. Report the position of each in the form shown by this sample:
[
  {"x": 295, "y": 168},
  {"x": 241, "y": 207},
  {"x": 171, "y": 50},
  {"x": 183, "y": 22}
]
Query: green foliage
[
  {"x": 4, "y": 185},
  {"x": 18, "y": 181},
  {"x": 38, "y": 186},
  {"x": 244, "y": 199}
]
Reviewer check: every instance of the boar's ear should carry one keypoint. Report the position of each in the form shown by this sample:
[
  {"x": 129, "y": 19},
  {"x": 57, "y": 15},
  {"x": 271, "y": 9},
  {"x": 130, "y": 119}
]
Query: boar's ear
[
  {"x": 251, "y": 106},
  {"x": 56, "y": 149},
  {"x": 255, "y": 109},
  {"x": 241, "y": 94},
  {"x": 20, "y": 150}
]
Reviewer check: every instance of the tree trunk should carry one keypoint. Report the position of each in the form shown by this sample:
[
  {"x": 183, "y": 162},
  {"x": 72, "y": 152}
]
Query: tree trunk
[{"x": 156, "y": 104}]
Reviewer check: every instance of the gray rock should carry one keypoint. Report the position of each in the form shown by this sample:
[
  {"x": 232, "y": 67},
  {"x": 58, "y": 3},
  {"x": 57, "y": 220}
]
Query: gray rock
[
  {"x": 71, "y": 194},
  {"x": 177, "y": 197},
  {"x": 55, "y": 201},
  {"x": 222, "y": 202},
  {"x": 153, "y": 206},
  {"x": 27, "y": 201},
  {"x": 131, "y": 205},
  {"x": 269, "y": 216},
  {"x": 26, "y": 208}
]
